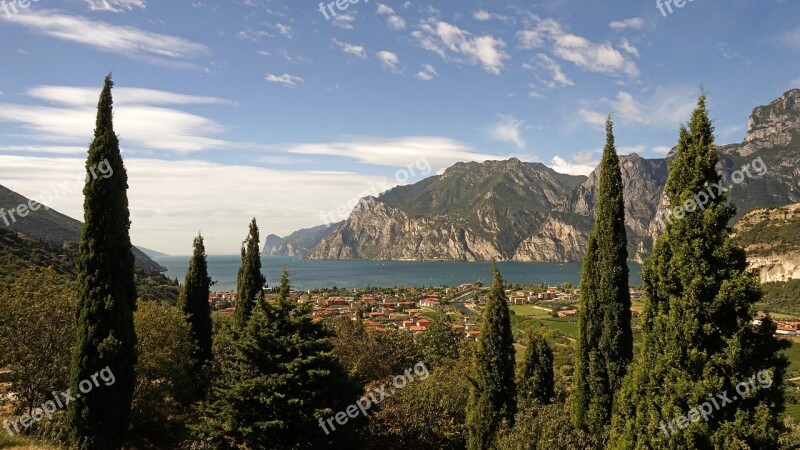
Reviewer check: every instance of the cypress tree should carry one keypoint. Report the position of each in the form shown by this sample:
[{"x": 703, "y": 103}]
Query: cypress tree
[
  {"x": 605, "y": 342},
  {"x": 536, "y": 377},
  {"x": 106, "y": 295},
  {"x": 492, "y": 399},
  {"x": 285, "y": 286},
  {"x": 249, "y": 281},
  {"x": 698, "y": 339},
  {"x": 194, "y": 303},
  {"x": 279, "y": 385}
]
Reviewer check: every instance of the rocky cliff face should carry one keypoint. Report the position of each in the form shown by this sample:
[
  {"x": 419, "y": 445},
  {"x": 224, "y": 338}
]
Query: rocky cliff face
[
  {"x": 771, "y": 237},
  {"x": 773, "y": 125},
  {"x": 299, "y": 244},
  {"x": 376, "y": 230},
  {"x": 511, "y": 210}
]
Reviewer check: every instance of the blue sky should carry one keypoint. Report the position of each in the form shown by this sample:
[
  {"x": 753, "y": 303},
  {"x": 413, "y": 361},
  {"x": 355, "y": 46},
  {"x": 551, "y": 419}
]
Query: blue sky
[{"x": 266, "y": 109}]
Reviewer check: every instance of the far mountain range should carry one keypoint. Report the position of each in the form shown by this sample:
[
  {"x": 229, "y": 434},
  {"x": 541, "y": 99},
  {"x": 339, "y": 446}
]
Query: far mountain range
[{"x": 521, "y": 211}]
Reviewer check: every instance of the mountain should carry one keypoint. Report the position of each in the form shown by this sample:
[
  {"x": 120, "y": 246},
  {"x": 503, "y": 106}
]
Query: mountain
[
  {"x": 49, "y": 225},
  {"x": 300, "y": 243},
  {"x": 771, "y": 237},
  {"x": 151, "y": 253},
  {"x": 512, "y": 210},
  {"x": 473, "y": 211}
]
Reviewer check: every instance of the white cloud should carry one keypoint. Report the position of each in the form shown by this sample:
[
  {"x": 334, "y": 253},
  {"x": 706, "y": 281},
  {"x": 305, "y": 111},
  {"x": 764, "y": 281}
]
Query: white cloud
[
  {"x": 142, "y": 119},
  {"x": 592, "y": 118},
  {"x": 483, "y": 16},
  {"x": 508, "y": 130},
  {"x": 285, "y": 79},
  {"x": 588, "y": 55},
  {"x": 666, "y": 107},
  {"x": 634, "y": 23},
  {"x": 351, "y": 49},
  {"x": 628, "y": 47},
  {"x": 551, "y": 66},
  {"x": 561, "y": 165},
  {"x": 388, "y": 60},
  {"x": 450, "y": 42},
  {"x": 427, "y": 73},
  {"x": 440, "y": 152},
  {"x": 384, "y": 9},
  {"x": 344, "y": 21},
  {"x": 661, "y": 149},
  {"x": 115, "y": 5},
  {"x": 202, "y": 196},
  {"x": 128, "y": 41},
  {"x": 284, "y": 30},
  {"x": 394, "y": 21}
]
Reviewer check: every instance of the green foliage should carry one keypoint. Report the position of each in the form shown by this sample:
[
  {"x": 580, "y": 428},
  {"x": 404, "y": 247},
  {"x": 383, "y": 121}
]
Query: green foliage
[
  {"x": 697, "y": 336},
  {"x": 543, "y": 427},
  {"x": 781, "y": 297},
  {"x": 18, "y": 254},
  {"x": 441, "y": 342},
  {"x": 605, "y": 342},
  {"x": 285, "y": 288},
  {"x": 536, "y": 381},
  {"x": 279, "y": 380},
  {"x": 373, "y": 356},
  {"x": 106, "y": 295},
  {"x": 37, "y": 332},
  {"x": 426, "y": 414},
  {"x": 492, "y": 400},
  {"x": 164, "y": 374},
  {"x": 194, "y": 304},
  {"x": 249, "y": 281}
]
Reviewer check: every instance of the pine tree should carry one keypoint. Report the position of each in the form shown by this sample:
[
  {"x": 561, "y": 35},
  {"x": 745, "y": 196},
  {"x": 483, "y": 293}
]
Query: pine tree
[
  {"x": 605, "y": 342},
  {"x": 536, "y": 380},
  {"x": 492, "y": 400},
  {"x": 250, "y": 281},
  {"x": 194, "y": 303},
  {"x": 697, "y": 337},
  {"x": 276, "y": 386},
  {"x": 106, "y": 295}
]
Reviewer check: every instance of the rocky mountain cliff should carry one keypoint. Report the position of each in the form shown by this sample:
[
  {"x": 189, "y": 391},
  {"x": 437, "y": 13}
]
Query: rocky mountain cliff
[
  {"x": 771, "y": 237},
  {"x": 300, "y": 243},
  {"x": 512, "y": 210}
]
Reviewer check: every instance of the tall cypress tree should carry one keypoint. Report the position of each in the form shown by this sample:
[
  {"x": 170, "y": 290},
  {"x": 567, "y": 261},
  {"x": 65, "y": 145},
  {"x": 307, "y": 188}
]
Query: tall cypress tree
[
  {"x": 106, "y": 295},
  {"x": 492, "y": 398},
  {"x": 250, "y": 281},
  {"x": 194, "y": 303},
  {"x": 536, "y": 377},
  {"x": 698, "y": 341},
  {"x": 605, "y": 342}
]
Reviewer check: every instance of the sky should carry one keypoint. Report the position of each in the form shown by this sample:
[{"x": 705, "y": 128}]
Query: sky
[{"x": 289, "y": 111}]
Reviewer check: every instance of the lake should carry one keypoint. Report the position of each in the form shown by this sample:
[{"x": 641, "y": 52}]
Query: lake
[{"x": 307, "y": 274}]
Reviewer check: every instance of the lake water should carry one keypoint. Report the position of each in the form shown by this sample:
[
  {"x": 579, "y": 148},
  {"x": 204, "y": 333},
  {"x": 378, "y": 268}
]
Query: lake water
[{"x": 307, "y": 274}]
